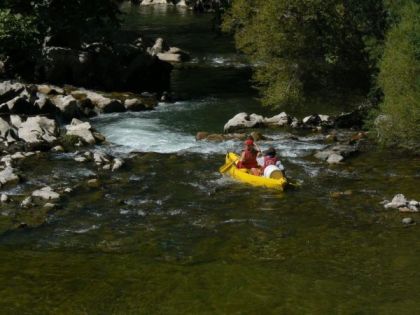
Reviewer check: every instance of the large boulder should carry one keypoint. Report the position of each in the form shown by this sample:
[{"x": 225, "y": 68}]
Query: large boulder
[
  {"x": 67, "y": 106},
  {"x": 100, "y": 103},
  {"x": 37, "y": 130},
  {"x": 243, "y": 121},
  {"x": 134, "y": 105},
  {"x": 9, "y": 90},
  {"x": 165, "y": 53},
  {"x": 44, "y": 105},
  {"x": 279, "y": 120},
  {"x": 83, "y": 130}
]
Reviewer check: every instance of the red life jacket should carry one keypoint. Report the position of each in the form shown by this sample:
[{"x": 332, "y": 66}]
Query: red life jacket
[
  {"x": 269, "y": 160},
  {"x": 250, "y": 159}
]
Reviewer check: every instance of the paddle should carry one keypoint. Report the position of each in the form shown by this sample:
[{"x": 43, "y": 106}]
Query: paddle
[{"x": 226, "y": 166}]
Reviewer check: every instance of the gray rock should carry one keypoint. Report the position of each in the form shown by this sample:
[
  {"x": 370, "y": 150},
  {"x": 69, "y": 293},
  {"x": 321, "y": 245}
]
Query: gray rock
[
  {"x": 67, "y": 106},
  {"x": 80, "y": 159},
  {"x": 407, "y": 221},
  {"x": 279, "y": 120},
  {"x": 101, "y": 103},
  {"x": 398, "y": 201},
  {"x": 80, "y": 129},
  {"x": 26, "y": 203},
  {"x": 134, "y": 105},
  {"x": 160, "y": 45},
  {"x": 106, "y": 167},
  {"x": 46, "y": 193},
  {"x": 323, "y": 155},
  {"x": 4, "y": 198},
  {"x": 57, "y": 148},
  {"x": 7, "y": 133},
  {"x": 19, "y": 105},
  {"x": 44, "y": 105},
  {"x": 414, "y": 203},
  {"x": 100, "y": 158},
  {"x": 7, "y": 176},
  {"x": 18, "y": 156},
  {"x": 68, "y": 190},
  {"x": 118, "y": 163},
  {"x": 9, "y": 90},
  {"x": 15, "y": 121},
  {"x": 244, "y": 121},
  {"x": 49, "y": 89},
  {"x": 38, "y": 129}
]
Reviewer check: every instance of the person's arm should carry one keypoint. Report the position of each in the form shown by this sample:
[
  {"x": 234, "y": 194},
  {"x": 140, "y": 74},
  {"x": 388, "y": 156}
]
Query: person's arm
[{"x": 242, "y": 156}]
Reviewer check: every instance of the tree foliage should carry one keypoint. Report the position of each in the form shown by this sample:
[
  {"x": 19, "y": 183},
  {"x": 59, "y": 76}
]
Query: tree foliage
[
  {"x": 306, "y": 45},
  {"x": 24, "y": 25},
  {"x": 19, "y": 38},
  {"x": 399, "y": 79}
]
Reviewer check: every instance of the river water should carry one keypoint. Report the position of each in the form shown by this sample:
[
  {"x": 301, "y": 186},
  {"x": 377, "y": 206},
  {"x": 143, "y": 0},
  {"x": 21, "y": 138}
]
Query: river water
[{"x": 169, "y": 235}]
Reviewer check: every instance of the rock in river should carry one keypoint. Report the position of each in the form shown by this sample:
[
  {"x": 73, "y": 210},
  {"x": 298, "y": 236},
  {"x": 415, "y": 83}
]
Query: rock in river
[
  {"x": 244, "y": 121},
  {"x": 46, "y": 193},
  {"x": 38, "y": 129},
  {"x": 7, "y": 176},
  {"x": 81, "y": 129}
]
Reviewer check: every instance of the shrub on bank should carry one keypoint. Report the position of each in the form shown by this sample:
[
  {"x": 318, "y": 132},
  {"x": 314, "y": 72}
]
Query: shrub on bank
[{"x": 399, "y": 121}]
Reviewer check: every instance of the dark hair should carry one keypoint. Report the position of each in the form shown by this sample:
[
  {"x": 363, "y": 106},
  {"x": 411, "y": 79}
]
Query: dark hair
[{"x": 270, "y": 151}]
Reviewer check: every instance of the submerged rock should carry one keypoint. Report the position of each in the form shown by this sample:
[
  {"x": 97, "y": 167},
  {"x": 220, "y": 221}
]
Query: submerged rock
[
  {"x": 335, "y": 158},
  {"x": 49, "y": 206},
  {"x": 93, "y": 183}
]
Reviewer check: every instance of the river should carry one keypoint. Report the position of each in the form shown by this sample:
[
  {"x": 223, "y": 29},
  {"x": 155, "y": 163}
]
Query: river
[{"x": 169, "y": 235}]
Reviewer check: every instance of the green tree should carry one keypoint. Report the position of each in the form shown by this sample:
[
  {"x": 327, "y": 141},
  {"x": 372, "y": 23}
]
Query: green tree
[
  {"x": 19, "y": 39},
  {"x": 300, "y": 46},
  {"x": 25, "y": 24},
  {"x": 399, "y": 79}
]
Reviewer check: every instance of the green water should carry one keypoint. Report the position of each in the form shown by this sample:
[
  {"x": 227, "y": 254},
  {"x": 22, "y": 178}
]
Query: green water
[{"x": 167, "y": 234}]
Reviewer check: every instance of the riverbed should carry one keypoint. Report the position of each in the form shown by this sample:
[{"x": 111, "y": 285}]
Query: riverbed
[{"x": 168, "y": 234}]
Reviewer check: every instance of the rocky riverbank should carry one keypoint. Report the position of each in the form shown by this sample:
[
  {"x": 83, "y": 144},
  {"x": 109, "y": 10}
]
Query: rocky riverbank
[{"x": 41, "y": 120}]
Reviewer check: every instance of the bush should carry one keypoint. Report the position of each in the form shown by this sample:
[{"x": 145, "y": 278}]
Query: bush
[
  {"x": 301, "y": 46},
  {"x": 399, "y": 122}
]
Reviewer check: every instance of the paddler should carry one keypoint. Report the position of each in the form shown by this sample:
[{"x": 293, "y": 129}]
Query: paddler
[{"x": 249, "y": 156}]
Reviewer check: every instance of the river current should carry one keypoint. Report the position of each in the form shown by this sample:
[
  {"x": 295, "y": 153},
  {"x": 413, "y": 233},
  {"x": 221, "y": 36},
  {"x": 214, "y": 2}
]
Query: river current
[{"x": 167, "y": 234}]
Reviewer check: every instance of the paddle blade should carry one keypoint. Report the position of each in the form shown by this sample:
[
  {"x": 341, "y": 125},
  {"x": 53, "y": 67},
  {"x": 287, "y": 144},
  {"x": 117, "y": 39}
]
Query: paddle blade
[{"x": 225, "y": 167}]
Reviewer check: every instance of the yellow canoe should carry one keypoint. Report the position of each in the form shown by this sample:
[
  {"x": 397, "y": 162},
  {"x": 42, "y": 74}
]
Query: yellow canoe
[{"x": 243, "y": 175}]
